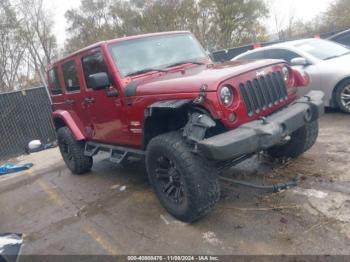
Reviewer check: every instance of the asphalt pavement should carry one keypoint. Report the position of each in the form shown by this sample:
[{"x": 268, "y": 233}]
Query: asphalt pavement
[{"x": 113, "y": 210}]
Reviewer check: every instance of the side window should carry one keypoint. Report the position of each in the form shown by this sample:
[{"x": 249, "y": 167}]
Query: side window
[
  {"x": 256, "y": 55},
  {"x": 343, "y": 39},
  {"x": 54, "y": 82},
  {"x": 93, "y": 64},
  {"x": 281, "y": 54},
  {"x": 70, "y": 76}
]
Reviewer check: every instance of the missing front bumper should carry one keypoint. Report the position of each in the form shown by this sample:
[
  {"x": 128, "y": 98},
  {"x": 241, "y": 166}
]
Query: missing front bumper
[{"x": 261, "y": 134}]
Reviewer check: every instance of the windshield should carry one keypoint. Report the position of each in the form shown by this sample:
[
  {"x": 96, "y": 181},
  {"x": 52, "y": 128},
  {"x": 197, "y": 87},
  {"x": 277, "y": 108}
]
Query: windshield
[
  {"x": 155, "y": 52},
  {"x": 322, "y": 49}
]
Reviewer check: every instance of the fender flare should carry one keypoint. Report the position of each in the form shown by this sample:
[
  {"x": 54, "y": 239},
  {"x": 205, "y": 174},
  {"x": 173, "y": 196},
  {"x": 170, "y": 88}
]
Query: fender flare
[
  {"x": 73, "y": 123},
  {"x": 194, "y": 128},
  {"x": 171, "y": 105}
]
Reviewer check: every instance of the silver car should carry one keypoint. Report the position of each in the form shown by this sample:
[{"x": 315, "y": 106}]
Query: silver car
[{"x": 327, "y": 63}]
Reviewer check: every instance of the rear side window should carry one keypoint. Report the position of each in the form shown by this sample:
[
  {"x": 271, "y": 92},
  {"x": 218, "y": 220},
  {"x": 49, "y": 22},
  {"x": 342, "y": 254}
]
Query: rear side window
[
  {"x": 54, "y": 82},
  {"x": 253, "y": 56},
  {"x": 343, "y": 39},
  {"x": 70, "y": 76},
  {"x": 93, "y": 64},
  {"x": 281, "y": 54}
]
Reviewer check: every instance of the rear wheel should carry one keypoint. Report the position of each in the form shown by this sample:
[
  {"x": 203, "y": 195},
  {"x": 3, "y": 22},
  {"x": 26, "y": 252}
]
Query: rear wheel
[
  {"x": 72, "y": 152},
  {"x": 342, "y": 96},
  {"x": 300, "y": 141},
  {"x": 186, "y": 184}
]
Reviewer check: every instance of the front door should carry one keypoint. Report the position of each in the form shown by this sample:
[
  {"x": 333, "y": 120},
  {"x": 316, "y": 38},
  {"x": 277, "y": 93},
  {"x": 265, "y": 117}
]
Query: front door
[{"x": 104, "y": 107}]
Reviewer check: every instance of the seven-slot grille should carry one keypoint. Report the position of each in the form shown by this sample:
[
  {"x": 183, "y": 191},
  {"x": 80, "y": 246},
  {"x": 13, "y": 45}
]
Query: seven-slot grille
[{"x": 263, "y": 92}]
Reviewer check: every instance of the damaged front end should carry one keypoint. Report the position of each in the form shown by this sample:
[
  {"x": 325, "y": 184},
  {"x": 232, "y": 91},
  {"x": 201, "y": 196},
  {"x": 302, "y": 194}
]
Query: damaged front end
[{"x": 197, "y": 125}]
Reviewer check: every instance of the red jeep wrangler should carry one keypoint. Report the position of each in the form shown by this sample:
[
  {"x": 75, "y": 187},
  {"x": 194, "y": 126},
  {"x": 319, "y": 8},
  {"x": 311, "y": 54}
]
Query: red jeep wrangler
[{"x": 161, "y": 96}]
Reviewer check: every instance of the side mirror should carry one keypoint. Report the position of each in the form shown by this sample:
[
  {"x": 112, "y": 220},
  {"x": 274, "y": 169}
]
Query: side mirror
[
  {"x": 99, "y": 81},
  {"x": 299, "y": 61}
]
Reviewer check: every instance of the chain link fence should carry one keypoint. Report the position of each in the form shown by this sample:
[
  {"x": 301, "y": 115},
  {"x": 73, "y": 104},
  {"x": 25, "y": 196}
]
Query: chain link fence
[{"x": 25, "y": 116}]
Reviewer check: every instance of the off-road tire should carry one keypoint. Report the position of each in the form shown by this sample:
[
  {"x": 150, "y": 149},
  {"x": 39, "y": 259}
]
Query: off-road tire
[
  {"x": 300, "y": 141},
  {"x": 201, "y": 190},
  {"x": 75, "y": 159},
  {"x": 337, "y": 95}
]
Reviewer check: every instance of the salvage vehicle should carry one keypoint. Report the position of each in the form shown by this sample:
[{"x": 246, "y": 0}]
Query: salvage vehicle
[
  {"x": 159, "y": 96},
  {"x": 326, "y": 62}
]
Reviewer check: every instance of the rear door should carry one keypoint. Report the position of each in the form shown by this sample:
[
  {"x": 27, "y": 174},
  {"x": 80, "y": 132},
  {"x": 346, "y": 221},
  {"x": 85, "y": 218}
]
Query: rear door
[
  {"x": 104, "y": 107},
  {"x": 55, "y": 89},
  {"x": 74, "y": 94}
]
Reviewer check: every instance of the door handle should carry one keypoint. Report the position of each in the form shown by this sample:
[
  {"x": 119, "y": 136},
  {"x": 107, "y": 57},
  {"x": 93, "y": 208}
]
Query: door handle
[
  {"x": 112, "y": 93},
  {"x": 89, "y": 100},
  {"x": 69, "y": 101}
]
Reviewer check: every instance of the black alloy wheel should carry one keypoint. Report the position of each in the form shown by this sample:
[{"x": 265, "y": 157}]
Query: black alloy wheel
[{"x": 169, "y": 179}]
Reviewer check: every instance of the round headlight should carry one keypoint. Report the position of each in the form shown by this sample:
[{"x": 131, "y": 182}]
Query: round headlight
[
  {"x": 285, "y": 73},
  {"x": 226, "y": 95}
]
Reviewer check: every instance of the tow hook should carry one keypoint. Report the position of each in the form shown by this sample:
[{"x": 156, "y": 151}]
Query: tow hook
[
  {"x": 270, "y": 188},
  {"x": 264, "y": 120}
]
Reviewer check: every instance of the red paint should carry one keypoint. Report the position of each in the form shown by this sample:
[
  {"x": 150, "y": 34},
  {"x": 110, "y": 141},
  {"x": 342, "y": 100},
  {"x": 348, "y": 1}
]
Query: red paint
[
  {"x": 301, "y": 78},
  {"x": 112, "y": 119},
  {"x": 72, "y": 121}
]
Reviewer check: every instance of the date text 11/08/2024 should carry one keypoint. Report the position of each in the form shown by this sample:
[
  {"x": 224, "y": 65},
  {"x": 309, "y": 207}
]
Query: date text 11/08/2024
[{"x": 173, "y": 258}]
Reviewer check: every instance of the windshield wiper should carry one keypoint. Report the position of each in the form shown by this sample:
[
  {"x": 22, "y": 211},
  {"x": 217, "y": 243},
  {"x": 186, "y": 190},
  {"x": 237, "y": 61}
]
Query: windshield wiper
[
  {"x": 185, "y": 62},
  {"x": 162, "y": 70},
  {"x": 146, "y": 70}
]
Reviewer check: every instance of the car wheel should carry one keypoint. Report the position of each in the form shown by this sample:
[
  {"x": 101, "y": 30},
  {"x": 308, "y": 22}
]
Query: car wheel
[
  {"x": 300, "y": 141},
  {"x": 72, "y": 152},
  {"x": 187, "y": 185},
  {"x": 342, "y": 96}
]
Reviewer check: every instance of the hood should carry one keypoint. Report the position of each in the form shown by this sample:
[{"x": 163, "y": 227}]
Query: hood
[
  {"x": 189, "y": 80},
  {"x": 339, "y": 62}
]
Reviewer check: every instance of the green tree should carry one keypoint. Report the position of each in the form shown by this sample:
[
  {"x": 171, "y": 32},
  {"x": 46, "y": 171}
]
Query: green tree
[
  {"x": 216, "y": 23},
  {"x": 27, "y": 44},
  {"x": 12, "y": 47},
  {"x": 36, "y": 30},
  {"x": 337, "y": 16},
  {"x": 236, "y": 22},
  {"x": 90, "y": 23}
]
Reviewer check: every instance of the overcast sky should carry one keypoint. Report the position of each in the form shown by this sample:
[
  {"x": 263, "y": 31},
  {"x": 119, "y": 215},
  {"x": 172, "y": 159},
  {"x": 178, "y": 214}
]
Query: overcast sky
[{"x": 301, "y": 9}]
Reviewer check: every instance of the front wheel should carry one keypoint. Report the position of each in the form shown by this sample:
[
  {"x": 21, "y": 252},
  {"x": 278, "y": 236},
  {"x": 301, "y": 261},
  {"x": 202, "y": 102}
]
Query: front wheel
[
  {"x": 72, "y": 152},
  {"x": 300, "y": 141},
  {"x": 342, "y": 96},
  {"x": 186, "y": 185}
]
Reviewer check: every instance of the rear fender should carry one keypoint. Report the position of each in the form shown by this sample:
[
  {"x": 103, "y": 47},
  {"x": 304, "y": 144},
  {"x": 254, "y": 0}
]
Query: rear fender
[{"x": 72, "y": 122}]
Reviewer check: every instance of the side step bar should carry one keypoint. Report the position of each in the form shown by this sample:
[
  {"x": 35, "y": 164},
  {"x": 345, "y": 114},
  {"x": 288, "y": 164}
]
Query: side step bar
[{"x": 117, "y": 154}]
